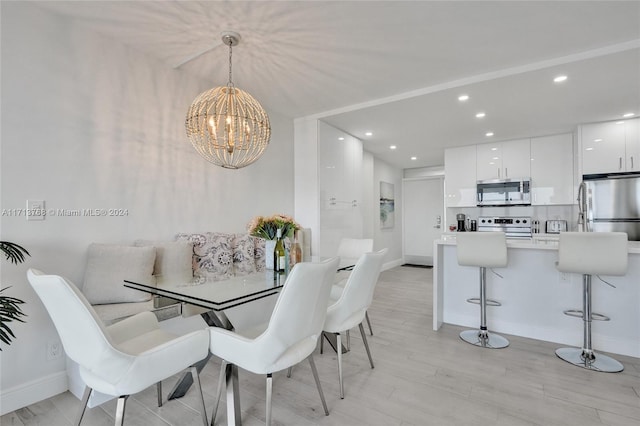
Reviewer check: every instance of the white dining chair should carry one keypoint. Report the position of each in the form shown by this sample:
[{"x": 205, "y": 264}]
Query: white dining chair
[
  {"x": 291, "y": 334},
  {"x": 350, "y": 303},
  {"x": 352, "y": 249},
  {"x": 124, "y": 358}
]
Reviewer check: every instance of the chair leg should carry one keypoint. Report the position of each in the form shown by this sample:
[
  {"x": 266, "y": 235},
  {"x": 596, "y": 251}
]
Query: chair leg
[
  {"x": 366, "y": 315},
  {"x": 348, "y": 340},
  {"x": 122, "y": 401},
  {"x": 366, "y": 344},
  {"x": 216, "y": 403},
  {"x": 159, "y": 387},
  {"x": 289, "y": 370},
  {"x": 321, "y": 343},
  {"x": 196, "y": 382},
  {"x": 83, "y": 405},
  {"x": 339, "y": 351},
  {"x": 269, "y": 394},
  {"x": 317, "y": 379}
]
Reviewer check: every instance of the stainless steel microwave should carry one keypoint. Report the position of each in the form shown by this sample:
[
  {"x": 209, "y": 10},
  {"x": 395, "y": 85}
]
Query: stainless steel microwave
[{"x": 504, "y": 192}]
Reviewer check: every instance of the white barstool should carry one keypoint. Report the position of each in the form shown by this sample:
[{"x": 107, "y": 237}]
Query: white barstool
[
  {"x": 591, "y": 253},
  {"x": 485, "y": 250}
]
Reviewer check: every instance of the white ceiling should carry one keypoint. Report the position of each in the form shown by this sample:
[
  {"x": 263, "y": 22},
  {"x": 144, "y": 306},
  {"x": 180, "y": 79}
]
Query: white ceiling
[{"x": 396, "y": 68}]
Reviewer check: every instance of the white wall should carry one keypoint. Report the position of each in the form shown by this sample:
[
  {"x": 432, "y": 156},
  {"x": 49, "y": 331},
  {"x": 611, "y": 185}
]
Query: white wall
[{"x": 90, "y": 123}]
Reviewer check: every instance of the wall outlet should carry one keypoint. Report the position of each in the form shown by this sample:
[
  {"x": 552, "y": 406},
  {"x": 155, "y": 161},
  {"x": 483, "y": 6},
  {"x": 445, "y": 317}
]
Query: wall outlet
[
  {"x": 35, "y": 210},
  {"x": 54, "y": 350}
]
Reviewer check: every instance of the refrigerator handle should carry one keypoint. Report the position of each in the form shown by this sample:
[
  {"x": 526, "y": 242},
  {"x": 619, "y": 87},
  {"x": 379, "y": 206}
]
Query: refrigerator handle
[{"x": 589, "y": 221}]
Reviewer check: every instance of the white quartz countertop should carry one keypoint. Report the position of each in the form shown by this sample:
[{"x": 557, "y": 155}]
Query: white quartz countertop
[{"x": 538, "y": 242}]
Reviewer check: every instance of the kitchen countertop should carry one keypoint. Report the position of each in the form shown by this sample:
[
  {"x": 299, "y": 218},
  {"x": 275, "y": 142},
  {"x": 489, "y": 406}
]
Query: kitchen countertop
[{"x": 539, "y": 242}]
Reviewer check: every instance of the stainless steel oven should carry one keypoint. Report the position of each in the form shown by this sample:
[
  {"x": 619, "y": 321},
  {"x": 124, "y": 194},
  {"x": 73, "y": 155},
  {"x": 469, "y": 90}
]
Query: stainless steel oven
[
  {"x": 513, "y": 227},
  {"x": 504, "y": 192}
]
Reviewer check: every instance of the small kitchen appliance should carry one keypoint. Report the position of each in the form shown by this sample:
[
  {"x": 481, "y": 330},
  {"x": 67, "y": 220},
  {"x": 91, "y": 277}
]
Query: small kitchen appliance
[
  {"x": 555, "y": 226},
  {"x": 503, "y": 192},
  {"x": 461, "y": 218}
]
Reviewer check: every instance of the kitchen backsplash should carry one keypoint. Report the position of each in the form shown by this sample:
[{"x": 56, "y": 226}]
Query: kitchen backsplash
[{"x": 540, "y": 213}]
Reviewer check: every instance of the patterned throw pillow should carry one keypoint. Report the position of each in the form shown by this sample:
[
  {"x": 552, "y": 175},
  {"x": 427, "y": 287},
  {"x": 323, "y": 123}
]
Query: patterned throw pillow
[
  {"x": 243, "y": 254},
  {"x": 259, "y": 254},
  {"x": 212, "y": 255}
]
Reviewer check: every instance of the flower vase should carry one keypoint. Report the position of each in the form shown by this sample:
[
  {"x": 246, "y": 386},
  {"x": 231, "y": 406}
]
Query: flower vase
[{"x": 269, "y": 246}]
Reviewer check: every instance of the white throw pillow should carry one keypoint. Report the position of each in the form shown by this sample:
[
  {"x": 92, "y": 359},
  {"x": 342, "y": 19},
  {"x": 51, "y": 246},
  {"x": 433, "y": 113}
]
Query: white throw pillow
[
  {"x": 108, "y": 265},
  {"x": 174, "y": 260}
]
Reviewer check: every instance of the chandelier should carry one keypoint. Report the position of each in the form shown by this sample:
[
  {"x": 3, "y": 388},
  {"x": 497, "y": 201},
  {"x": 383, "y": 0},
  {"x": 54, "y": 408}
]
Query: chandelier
[{"x": 226, "y": 125}]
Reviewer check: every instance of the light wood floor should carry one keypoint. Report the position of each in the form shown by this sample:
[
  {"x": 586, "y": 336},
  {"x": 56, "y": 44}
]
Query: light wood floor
[{"x": 421, "y": 377}]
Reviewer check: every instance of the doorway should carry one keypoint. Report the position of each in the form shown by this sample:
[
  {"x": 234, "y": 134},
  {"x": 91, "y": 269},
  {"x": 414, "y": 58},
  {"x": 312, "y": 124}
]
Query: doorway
[{"x": 423, "y": 210}]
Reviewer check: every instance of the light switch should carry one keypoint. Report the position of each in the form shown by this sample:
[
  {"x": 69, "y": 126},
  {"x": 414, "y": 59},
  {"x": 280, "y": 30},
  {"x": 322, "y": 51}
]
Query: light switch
[{"x": 35, "y": 210}]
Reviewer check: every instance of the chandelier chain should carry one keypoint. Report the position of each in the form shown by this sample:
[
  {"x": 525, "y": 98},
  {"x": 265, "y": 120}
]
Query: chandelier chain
[{"x": 230, "y": 82}]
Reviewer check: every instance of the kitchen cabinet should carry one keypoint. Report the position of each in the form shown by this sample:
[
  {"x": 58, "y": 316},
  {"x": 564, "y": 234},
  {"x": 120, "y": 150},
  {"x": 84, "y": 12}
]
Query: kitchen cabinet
[
  {"x": 552, "y": 170},
  {"x": 460, "y": 176},
  {"x": 504, "y": 160},
  {"x": 610, "y": 147}
]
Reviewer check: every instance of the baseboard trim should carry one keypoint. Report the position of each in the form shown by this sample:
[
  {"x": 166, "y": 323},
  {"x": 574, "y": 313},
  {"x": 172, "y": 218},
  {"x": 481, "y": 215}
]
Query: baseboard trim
[
  {"x": 35, "y": 391},
  {"x": 392, "y": 264}
]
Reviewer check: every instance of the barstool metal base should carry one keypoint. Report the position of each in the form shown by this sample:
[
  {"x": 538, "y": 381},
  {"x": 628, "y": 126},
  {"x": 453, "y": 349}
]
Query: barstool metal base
[
  {"x": 484, "y": 339},
  {"x": 595, "y": 362}
]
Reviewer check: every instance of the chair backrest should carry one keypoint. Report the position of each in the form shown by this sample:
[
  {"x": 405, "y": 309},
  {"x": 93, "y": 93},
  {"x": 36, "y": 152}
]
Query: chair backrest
[
  {"x": 353, "y": 248},
  {"x": 301, "y": 307},
  {"x": 84, "y": 338},
  {"x": 593, "y": 253},
  {"x": 485, "y": 249},
  {"x": 358, "y": 291}
]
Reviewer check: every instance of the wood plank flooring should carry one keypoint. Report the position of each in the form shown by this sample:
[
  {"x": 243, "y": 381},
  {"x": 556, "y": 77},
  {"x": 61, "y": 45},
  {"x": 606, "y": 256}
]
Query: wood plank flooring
[{"x": 421, "y": 377}]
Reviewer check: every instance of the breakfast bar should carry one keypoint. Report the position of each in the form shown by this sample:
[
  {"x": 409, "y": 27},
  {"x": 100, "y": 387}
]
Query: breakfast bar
[{"x": 534, "y": 294}]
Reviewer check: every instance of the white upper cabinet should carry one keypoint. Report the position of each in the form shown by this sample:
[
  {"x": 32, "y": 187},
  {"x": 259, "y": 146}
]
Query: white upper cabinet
[
  {"x": 611, "y": 147},
  {"x": 632, "y": 144},
  {"x": 504, "y": 160},
  {"x": 460, "y": 176},
  {"x": 552, "y": 170}
]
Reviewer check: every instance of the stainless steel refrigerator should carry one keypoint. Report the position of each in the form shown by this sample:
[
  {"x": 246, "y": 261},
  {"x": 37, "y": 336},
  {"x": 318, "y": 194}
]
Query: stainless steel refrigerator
[{"x": 611, "y": 203}]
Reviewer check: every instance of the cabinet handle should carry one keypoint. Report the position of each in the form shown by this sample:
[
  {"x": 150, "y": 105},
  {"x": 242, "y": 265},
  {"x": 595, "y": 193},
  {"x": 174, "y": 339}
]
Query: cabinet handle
[
  {"x": 506, "y": 172},
  {"x": 632, "y": 162},
  {"x": 620, "y": 165},
  {"x": 498, "y": 172}
]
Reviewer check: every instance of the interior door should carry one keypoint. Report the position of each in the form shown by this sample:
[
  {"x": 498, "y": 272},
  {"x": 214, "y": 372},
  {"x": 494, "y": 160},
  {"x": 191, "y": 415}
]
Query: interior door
[{"x": 423, "y": 218}]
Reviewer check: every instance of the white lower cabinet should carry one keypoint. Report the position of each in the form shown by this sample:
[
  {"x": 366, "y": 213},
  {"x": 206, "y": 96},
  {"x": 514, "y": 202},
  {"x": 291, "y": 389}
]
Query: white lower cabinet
[{"x": 552, "y": 170}]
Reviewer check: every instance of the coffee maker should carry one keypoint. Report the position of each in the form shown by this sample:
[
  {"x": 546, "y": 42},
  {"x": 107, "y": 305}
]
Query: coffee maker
[{"x": 461, "y": 218}]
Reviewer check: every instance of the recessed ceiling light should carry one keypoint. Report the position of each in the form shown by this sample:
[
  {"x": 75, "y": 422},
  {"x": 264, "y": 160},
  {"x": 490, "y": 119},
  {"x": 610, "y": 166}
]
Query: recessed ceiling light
[
  {"x": 463, "y": 98},
  {"x": 340, "y": 138},
  {"x": 629, "y": 114},
  {"x": 392, "y": 147},
  {"x": 495, "y": 158},
  {"x": 494, "y": 148},
  {"x": 597, "y": 140},
  {"x": 480, "y": 115},
  {"x": 589, "y": 149},
  {"x": 560, "y": 79},
  {"x": 414, "y": 158},
  {"x": 369, "y": 134},
  {"x": 489, "y": 134}
]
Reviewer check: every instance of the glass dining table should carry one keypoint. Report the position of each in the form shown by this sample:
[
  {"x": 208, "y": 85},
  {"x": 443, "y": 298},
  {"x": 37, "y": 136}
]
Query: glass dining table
[{"x": 216, "y": 297}]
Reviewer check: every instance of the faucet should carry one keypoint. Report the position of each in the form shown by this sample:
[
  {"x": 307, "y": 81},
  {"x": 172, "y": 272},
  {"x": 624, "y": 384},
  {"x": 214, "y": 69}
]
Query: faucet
[{"x": 582, "y": 207}]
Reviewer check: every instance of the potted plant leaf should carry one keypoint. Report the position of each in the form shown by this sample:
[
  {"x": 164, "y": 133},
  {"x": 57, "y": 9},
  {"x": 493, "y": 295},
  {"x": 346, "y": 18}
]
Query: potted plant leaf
[{"x": 10, "y": 309}]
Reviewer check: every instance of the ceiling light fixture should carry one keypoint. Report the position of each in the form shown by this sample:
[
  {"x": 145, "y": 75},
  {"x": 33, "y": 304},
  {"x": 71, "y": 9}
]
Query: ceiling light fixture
[
  {"x": 414, "y": 158},
  {"x": 226, "y": 125},
  {"x": 629, "y": 114},
  {"x": 480, "y": 115},
  {"x": 368, "y": 134},
  {"x": 560, "y": 79},
  {"x": 488, "y": 134},
  {"x": 463, "y": 98},
  {"x": 392, "y": 147},
  {"x": 340, "y": 138}
]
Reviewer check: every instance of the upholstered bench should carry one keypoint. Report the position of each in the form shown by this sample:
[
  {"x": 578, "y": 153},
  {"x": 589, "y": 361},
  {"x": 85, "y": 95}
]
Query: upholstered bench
[{"x": 191, "y": 258}]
